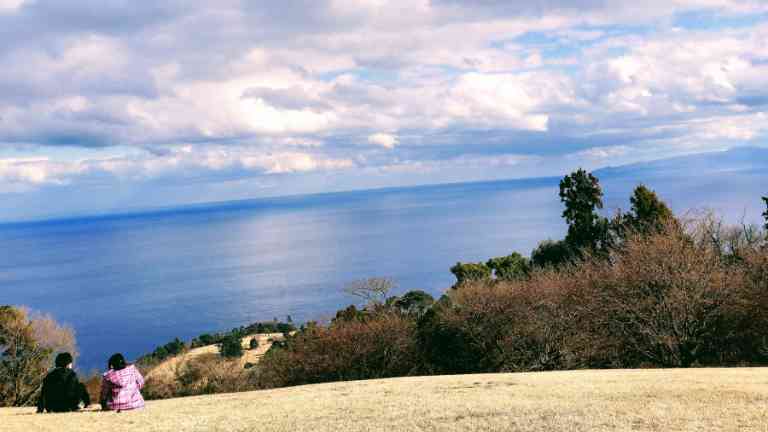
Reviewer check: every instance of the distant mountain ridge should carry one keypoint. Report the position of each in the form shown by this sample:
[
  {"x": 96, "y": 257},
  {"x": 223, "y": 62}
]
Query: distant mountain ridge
[
  {"x": 740, "y": 158},
  {"x": 744, "y": 160}
]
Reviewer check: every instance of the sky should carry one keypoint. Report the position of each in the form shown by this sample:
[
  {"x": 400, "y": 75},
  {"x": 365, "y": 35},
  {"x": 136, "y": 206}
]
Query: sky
[{"x": 109, "y": 104}]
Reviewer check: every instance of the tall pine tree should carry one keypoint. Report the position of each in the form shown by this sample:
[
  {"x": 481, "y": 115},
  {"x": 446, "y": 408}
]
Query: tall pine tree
[
  {"x": 581, "y": 193},
  {"x": 765, "y": 215}
]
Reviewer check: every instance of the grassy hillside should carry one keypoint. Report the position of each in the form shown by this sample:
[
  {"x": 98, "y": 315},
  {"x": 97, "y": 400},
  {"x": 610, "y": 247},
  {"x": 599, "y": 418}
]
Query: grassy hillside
[
  {"x": 170, "y": 365},
  {"x": 611, "y": 400}
]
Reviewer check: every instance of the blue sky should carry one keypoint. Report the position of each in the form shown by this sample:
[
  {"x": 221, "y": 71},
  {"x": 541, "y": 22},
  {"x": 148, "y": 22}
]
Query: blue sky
[{"x": 110, "y": 105}]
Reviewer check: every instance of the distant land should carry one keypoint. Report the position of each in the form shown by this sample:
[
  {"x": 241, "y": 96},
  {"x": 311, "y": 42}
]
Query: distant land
[{"x": 714, "y": 171}]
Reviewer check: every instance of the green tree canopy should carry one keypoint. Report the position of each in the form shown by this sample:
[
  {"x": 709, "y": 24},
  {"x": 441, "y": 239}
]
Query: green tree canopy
[
  {"x": 510, "y": 267},
  {"x": 551, "y": 253},
  {"x": 765, "y": 215},
  {"x": 414, "y": 302},
  {"x": 581, "y": 193},
  {"x": 232, "y": 346},
  {"x": 470, "y": 272},
  {"x": 648, "y": 214}
]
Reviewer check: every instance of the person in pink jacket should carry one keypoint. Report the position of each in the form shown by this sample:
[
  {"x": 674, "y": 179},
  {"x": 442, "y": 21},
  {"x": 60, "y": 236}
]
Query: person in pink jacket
[{"x": 121, "y": 385}]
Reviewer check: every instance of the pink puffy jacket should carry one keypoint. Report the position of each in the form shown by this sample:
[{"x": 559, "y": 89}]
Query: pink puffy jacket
[{"x": 120, "y": 389}]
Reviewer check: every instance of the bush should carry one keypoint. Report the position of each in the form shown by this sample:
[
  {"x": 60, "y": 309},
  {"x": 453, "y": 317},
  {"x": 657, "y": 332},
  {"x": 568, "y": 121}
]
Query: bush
[
  {"x": 493, "y": 327},
  {"x": 232, "y": 346},
  {"x": 550, "y": 253},
  {"x": 666, "y": 299},
  {"x": 671, "y": 300},
  {"x": 379, "y": 347}
]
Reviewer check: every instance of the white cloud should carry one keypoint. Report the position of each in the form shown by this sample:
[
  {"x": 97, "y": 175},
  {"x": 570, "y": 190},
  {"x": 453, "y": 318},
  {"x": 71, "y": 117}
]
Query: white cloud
[
  {"x": 276, "y": 89},
  {"x": 388, "y": 141},
  {"x": 11, "y": 5}
]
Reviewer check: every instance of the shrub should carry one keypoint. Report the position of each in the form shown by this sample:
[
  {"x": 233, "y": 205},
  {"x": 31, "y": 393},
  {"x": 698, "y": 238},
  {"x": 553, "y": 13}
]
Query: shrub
[
  {"x": 669, "y": 301},
  {"x": 669, "y": 298},
  {"x": 492, "y": 327},
  {"x": 550, "y": 253},
  {"x": 379, "y": 347}
]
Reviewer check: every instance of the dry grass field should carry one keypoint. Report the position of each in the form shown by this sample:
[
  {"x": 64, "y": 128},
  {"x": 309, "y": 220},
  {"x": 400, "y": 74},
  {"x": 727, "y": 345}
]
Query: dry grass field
[
  {"x": 614, "y": 400},
  {"x": 169, "y": 366}
]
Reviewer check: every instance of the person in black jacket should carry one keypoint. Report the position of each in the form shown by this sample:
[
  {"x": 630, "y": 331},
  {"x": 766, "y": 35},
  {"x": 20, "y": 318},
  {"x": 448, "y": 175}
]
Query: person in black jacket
[{"x": 62, "y": 391}]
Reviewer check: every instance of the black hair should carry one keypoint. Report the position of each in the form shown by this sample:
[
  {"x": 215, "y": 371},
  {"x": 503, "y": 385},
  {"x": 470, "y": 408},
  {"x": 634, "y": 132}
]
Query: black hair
[
  {"x": 63, "y": 359},
  {"x": 116, "y": 362}
]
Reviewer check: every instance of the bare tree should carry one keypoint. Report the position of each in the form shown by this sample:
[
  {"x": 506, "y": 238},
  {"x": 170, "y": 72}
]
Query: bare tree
[
  {"x": 22, "y": 360},
  {"x": 52, "y": 335},
  {"x": 372, "y": 291}
]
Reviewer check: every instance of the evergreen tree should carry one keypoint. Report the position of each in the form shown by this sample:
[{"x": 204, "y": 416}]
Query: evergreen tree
[
  {"x": 581, "y": 193},
  {"x": 647, "y": 214},
  {"x": 765, "y": 215},
  {"x": 232, "y": 346}
]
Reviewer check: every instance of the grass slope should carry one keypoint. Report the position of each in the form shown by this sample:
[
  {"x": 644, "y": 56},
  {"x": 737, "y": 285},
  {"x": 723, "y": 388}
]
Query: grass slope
[
  {"x": 613, "y": 400},
  {"x": 170, "y": 365}
]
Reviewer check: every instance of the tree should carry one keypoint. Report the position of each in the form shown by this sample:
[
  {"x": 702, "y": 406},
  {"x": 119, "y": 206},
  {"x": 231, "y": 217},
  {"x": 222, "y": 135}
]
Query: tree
[
  {"x": 550, "y": 253},
  {"x": 253, "y": 343},
  {"x": 765, "y": 215},
  {"x": 470, "y": 272},
  {"x": 351, "y": 313},
  {"x": 510, "y": 267},
  {"x": 414, "y": 302},
  {"x": 372, "y": 290},
  {"x": 23, "y": 362},
  {"x": 232, "y": 346},
  {"x": 581, "y": 193},
  {"x": 175, "y": 347},
  {"x": 51, "y": 335},
  {"x": 648, "y": 214}
]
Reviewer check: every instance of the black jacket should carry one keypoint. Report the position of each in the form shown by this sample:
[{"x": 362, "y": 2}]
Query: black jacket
[{"x": 62, "y": 392}]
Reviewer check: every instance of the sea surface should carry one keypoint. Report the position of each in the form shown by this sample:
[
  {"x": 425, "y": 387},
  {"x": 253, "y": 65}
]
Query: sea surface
[{"x": 129, "y": 282}]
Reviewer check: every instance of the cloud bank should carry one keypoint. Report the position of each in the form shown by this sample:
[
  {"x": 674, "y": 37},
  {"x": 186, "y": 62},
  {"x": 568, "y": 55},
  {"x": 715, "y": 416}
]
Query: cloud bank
[{"x": 100, "y": 93}]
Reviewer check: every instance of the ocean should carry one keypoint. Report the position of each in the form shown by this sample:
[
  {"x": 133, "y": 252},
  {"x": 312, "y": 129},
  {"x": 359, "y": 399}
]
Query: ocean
[{"x": 129, "y": 282}]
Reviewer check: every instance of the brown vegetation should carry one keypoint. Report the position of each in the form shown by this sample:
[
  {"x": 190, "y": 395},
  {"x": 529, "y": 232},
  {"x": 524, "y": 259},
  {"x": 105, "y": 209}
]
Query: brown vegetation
[
  {"x": 381, "y": 346},
  {"x": 203, "y": 370},
  {"x": 681, "y": 294}
]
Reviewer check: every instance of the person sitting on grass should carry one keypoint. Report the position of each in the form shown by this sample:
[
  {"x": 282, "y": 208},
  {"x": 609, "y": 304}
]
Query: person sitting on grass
[
  {"x": 62, "y": 391},
  {"x": 121, "y": 385}
]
